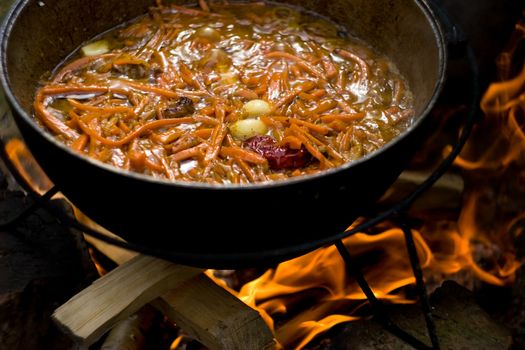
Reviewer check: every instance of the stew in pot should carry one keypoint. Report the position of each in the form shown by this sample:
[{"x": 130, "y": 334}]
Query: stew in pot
[{"x": 225, "y": 93}]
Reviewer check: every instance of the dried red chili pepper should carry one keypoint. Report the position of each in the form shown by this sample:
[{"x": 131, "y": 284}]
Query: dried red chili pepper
[{"x": 279, "y": 157}]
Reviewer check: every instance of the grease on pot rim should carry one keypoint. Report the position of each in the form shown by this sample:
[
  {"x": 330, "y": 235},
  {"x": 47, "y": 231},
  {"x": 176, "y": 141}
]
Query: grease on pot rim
[{"x": 229, "y": 93}]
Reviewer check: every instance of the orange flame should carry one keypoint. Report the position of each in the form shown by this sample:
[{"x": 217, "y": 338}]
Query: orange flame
[{"x": 27, "y": 167}]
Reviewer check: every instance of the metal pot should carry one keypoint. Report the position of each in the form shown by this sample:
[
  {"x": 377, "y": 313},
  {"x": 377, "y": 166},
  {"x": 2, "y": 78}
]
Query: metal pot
[{"x": 209, "y": 225}]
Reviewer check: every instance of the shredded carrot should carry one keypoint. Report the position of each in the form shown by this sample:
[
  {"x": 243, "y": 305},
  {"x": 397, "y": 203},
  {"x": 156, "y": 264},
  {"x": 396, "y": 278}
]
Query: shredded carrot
[
  {"x": 348, "y": 118},
  {"x": 194, "y": 152},
  {"x": 78, "y": 64},
  {"x": 302, "y": 63},
  {"x": 292, "y": 141},
  {"x": 246, "y": 93},
  {"x": 136, "y": 133},
  {"x": 243, "y": 154},
  {"x": 363, "y": 66},
  {"x": 79, "y": 144},
  {"x": 204, "y": 133},
  {"x": 312, "y": 149},
  {"x": 169, "y": 93},
  {"x": 103, "y": 110},
  {"x": 53, "y": 123},
  {"x": 289, "y": 96},
  {"x": 329, "y": 68},
  {"x": 321, "y": 129},
  {"x": 204, "y": 6}
]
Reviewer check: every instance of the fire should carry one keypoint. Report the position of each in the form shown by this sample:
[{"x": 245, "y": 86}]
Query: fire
[{"x": 27, "y": 167}]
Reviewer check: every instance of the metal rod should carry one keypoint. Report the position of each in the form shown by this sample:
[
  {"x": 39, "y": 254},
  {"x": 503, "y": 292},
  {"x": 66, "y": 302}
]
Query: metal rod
[
  {"x": 29, "y": 209},
  {"x": 378, "y": 308},
  {"x": 420, "y": 285}
]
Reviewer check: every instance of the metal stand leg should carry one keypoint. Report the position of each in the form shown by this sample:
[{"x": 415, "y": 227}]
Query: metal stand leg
[
  {"x": 30, "y": 209},
  {"x": 377, "y": 306},
  {"x": 420, "y": 285}
]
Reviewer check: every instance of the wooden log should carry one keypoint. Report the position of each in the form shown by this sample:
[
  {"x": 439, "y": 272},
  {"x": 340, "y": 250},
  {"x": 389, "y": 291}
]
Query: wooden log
[
  {"x": 130, "y": 333},
  {"x": 204, "y": 310},
  {"x": 117, "y": 295},
  {"x": 215, "y": 317}
]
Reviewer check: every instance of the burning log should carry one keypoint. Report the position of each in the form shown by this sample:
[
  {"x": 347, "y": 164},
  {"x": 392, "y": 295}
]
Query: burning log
[
  {"x": 215, "y": 317},
  {"x": 129, "y": 334}
]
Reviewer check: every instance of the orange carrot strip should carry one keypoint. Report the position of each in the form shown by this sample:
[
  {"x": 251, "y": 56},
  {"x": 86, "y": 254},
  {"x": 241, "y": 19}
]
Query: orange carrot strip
[
  {"x": 152, "y": 89},
  {"x": 194, "y": 152},
  {"x": 73, "y": 90},
  {"x": 53, "y": 123},
  {"x": 205, "y": 120},
  {"x": 153, "y": 166},
  {"x": 324, "y": 105},
  {"x": 104, "y": 110},
  {"x": 204, "y": 6},
  {"x": 329, "y": 68},
  {"x": 247, "y": 170},
  {"x": 295, "y": 71},
  {"x": 217, "y": 139},
  {"x": 348, "y": 118},
  {"x": 209, "y": 110},
  {"x": 307, "y": 97},
  {"x": 247, "y": 94},
  {"x": 292, "y": 141},
  {"x": 136, "y": 133},
  {"x": 80, "y": 63},
  {"x": 270, "y": 121},
  {"x": 123, "y": 126},
  {"x": 320, "y": 129},
  {"x": 168, "y": 136},
  {"x": 243, "y": 154},
  {"x": 338, "y": 125},
  {"x": 318, "y": 93},
  {"x": 363, "y": 66},
  {"x": 300, "y": 134},
  {"x": 79, "y": 144},
  {"x": 302, "y": 63},
  {"x": 290, "y": 95},
  {"x": 127, "y": 59},
  {"x": 346, "y": 140},
  {"x": 203, "y": 133},
  {"x": 189, "y": 78}
]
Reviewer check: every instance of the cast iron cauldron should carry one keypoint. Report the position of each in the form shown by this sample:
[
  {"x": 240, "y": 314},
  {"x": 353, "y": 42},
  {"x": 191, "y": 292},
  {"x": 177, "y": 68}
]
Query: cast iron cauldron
[{"x": 209, "y": 225}]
